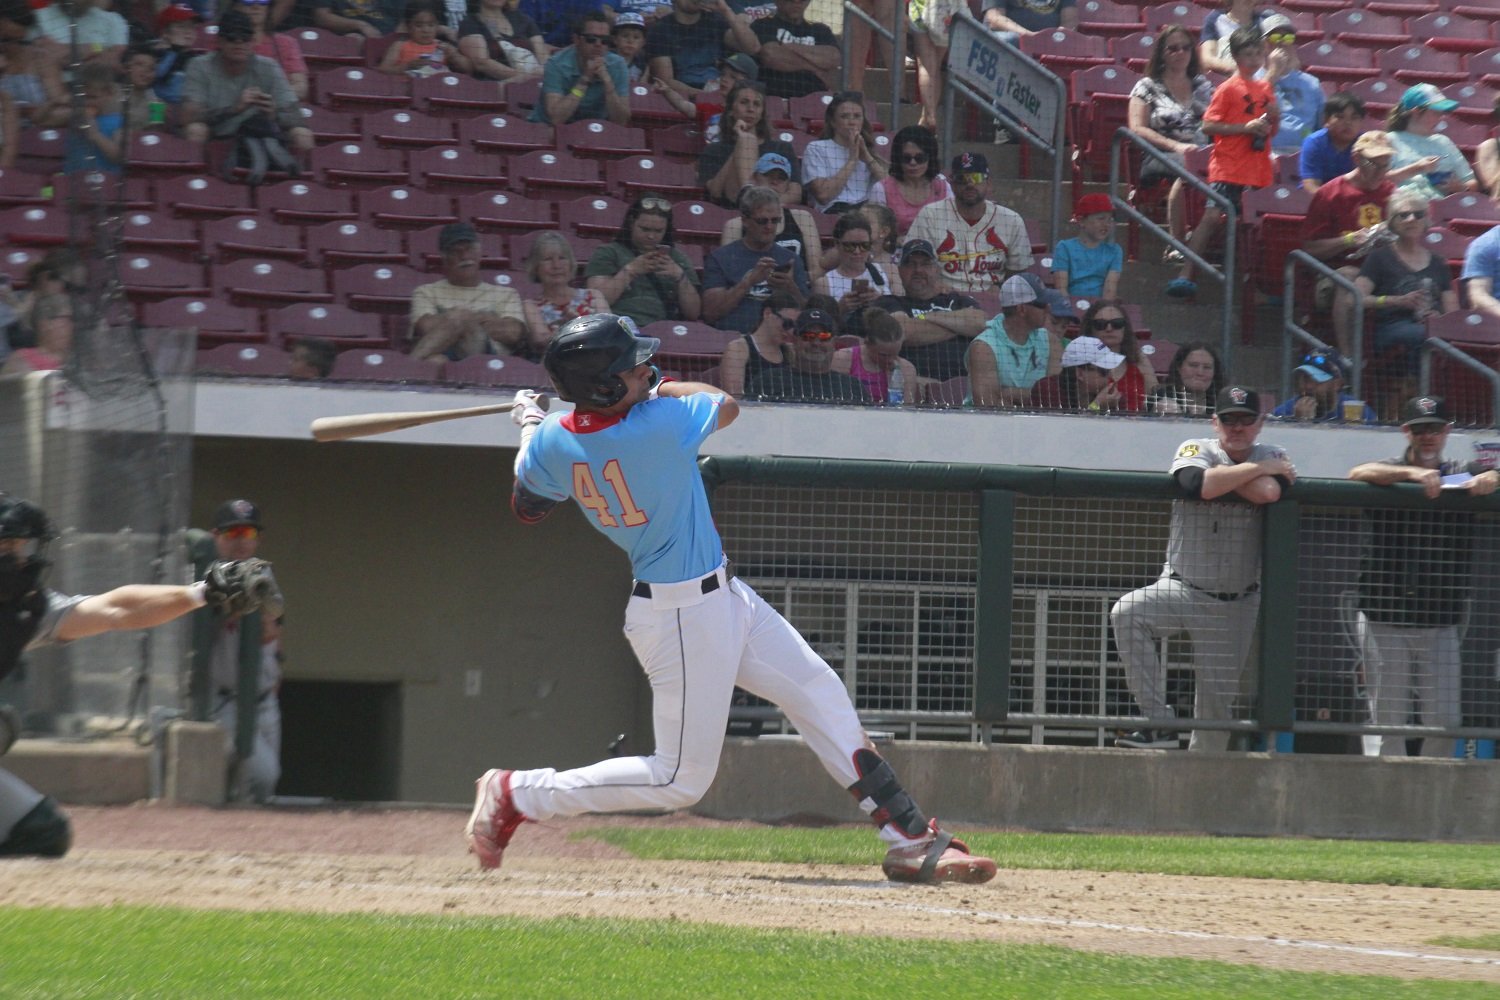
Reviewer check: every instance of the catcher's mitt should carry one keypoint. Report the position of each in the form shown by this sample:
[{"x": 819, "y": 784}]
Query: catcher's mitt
[{"x": 242, "y": 586}]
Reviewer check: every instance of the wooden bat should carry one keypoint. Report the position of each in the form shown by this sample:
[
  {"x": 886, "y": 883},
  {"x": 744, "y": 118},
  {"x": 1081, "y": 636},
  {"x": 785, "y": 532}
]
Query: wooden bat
[{"x": 358, "y": 425}]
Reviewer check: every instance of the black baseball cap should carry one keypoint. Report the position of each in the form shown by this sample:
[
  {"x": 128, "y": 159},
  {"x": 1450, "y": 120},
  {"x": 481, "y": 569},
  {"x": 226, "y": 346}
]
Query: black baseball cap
[
  {"x": 235, "y": 26},
  {"x": 912, "y": 248},
  {"x": 455, "y": 233},
  {"x": 1237, "y": 399},
  {"x": 815, "y": 319},
  {"x": 233, "y": 512},
  {"x": 1425, "y": 410}
]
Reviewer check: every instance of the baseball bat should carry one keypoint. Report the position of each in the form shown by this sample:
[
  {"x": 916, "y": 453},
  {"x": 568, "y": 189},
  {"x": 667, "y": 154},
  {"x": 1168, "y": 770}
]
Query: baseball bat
[{"x": 358, "y": 425}]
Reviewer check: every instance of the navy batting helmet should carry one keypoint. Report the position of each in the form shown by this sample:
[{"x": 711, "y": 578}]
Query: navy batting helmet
[
  {"x": 23, "y": 519},
  {"x": 587, "y": 356}
]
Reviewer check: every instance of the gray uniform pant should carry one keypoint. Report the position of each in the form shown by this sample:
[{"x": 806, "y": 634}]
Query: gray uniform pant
[
  {"x": 256, "y": 777},
  {"x": 1403, "y": 663},
  {"x": 1222, "y": 634}
]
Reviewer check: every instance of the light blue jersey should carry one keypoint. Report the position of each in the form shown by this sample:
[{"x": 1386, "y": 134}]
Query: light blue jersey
[{"x": 636, "y": 478}]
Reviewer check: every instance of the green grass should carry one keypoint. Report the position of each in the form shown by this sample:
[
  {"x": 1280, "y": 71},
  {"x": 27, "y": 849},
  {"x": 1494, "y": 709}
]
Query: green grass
[
  {"x": 1484, "y": 942},
  {"x": 163, "y": 953},
  {"x": 1445, "y": 866}
]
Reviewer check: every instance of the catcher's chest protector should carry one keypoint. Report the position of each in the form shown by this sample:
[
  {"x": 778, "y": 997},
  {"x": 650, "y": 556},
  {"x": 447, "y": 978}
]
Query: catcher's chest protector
[{"x": 19, "y": 621}]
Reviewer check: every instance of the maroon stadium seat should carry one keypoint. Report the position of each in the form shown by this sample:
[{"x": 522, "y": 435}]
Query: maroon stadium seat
[
  {"x": 216, "y": 322},
  {"x": 347, "y": 242},
  {"x": 367, "y": 364},
  {"x": 243, "y": 359},
  {"x": 251, "y": 236}
]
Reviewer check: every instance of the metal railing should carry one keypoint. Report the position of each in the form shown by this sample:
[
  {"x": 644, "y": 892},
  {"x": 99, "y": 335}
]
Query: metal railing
[{"x": 1290, "y": 326}]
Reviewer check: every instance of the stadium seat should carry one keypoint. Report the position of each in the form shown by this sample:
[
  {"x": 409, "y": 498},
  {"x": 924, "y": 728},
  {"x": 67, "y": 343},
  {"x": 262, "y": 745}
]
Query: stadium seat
[
  {"x": 455, "y": 168},
  {"x": 700, "y": 221},
  {"x": 948, "y": 394},
  {"x": 243, "y": 359},
  {"x": 1379, "y": 93},
  {"x": 1476, "y": 101},
  {"x": 1448, "y": 32},
  {"x": 425, "y": 255},
  {"x": 1305, "y": 25},
  {"x": 1400, "y": 8},
  {"x": 34, "y": 226},
  {"x": 1448, "y": 245},
  {"x": 40, "y": 150},
  {"x": 216, "y": 322},
  {"x": 347, "y": 88},
  {"x": 508, "y": 212},
  {"x": 1476, "y": 9},
  {"x": 206, "y": 197},
  {"x": 383, "y": 288},
  {"x": 402, "y": 207},
  {"x": 808, "y": 112},
  {"x": 1469, "y": 214},
  {"x": 683, "y": 142},
  {"x": 593, "y": 216},
  {"x": 689, "y": 347},
  {"x": 632, "y": 177},
  {"x": 1466, "y": 135},
  {"x": 359, "y": 164},
  {"x": 149, "y": 276},
  {"x": 1133, "y": 50},
  {"x": 1186, "y": 14},
  {"x": 331, "y": 126},
  {"x": 517, "y": 281},
  {"x": 1101, "y": 105},
  {"x": 1160, "y": 353},
  {"x": 406, "y": 128},
  {"x": 524, "y": 95},
  {"x": 505, "y": 134},
  {"x": 602, "y": 140},
  {"x": 251, "y": 236},
  {"x": 16, "y": 261},
  {"x": 497, "y": 369},
  {"x": 653, "y": 111},
  {"x": 1363, "y": 29},
  {"x": 1064, "y": 51},
  {"x": 1107, "y": 19},
  {"x": 348, "y": 242},
  {"x": 269, "y": 283},
  {"x": 1484, "y": 67},
  {"x": 451, "y": 95},
  {"x": 340, "y": 325},
  {"x": 18, "y": 188},
  {"x": 545, "y": 171},
  {"x": 156, "y": 152},
  {"x": 363, "y": 364},
  {"x": 304, "y": 203},
  {"x": 1333, "y": 63},
  {"x": 1420, "y": 64},
  {"x": 326, "y": 49},
  {"x": 159, "y": 232}
]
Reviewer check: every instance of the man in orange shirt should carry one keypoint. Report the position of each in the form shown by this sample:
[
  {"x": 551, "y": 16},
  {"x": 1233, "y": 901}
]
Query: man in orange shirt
[{"x": 1241, "y": 119}]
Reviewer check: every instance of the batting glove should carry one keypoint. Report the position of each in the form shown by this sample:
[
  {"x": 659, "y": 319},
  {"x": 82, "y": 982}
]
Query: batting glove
[{"x": 530, "y": 408}]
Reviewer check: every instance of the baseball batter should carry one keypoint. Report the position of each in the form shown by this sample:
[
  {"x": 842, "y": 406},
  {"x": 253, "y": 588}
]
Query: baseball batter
[
  {"x": 31, "y": 616},
  {"x": 1414, "y": 585},
  {"x": 1210, "y": 586},
  {"x": 628, "y": 456}
]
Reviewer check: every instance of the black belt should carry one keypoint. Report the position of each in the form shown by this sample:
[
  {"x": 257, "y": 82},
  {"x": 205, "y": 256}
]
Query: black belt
[
  {"x": 226, "y": 695},
  {"x": 1252, "y": 589},
  {"x": 710, "y": 584}
]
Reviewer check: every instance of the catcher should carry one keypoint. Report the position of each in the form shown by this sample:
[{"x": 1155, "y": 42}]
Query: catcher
[{"x": 32, "y": 616}]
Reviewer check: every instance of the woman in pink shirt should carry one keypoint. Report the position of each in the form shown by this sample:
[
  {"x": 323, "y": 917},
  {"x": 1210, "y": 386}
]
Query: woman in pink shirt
[
  {"x": 281, "y": 49},
  {"x": 914, "y": 179}
]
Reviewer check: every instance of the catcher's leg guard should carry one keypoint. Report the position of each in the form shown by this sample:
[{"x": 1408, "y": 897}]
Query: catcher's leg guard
[
  {"x": 893, "y": 804},
  {"x": 43, "y": 832}
]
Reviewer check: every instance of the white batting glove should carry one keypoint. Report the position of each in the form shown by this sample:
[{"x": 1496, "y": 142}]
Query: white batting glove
[{"x": 530, "y": 408}]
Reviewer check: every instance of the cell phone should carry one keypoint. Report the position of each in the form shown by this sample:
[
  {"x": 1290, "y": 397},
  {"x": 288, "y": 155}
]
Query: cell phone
[
  {"x": 783, "y": 268},
  {"x": 861, "y": 284}
]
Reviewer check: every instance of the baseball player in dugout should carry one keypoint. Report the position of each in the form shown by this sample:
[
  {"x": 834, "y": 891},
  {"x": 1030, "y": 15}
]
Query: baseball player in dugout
[
  {"x": 627, "y": 455},
  {"x": 1210, "y": 585},
  {"x": 31, "y": 615},
  {"x": 1414, "y": 584}
]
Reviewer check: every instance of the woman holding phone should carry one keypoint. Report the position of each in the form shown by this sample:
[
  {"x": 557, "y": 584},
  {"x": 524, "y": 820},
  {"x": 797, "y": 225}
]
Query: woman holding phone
[
  {"x": 857, "y": 281},
  {"x": 641, "y": 272}
]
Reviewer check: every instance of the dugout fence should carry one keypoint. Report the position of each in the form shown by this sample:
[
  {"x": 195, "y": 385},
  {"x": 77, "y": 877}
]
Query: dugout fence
[{"x": 974, "y": 602}]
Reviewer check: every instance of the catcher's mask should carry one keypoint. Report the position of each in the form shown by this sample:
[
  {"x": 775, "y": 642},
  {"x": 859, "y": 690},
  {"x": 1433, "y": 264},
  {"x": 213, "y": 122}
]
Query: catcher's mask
[
  {"x": 20, "y": 575},
  {"x": 585, "y": 358}
]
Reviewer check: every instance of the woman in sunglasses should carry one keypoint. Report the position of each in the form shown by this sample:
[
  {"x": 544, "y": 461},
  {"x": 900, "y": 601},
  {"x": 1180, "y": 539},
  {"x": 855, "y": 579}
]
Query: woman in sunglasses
[
  {"x": 857, "y": 281},
  {"x": 726, "y": 166},
  {"x": 914, "y": 180},
  {"x": 1403, "y": 283},
  {"x": 1106, "y": 320},
  {"x": 641, "y": 272},
  {"x": 282, "y": 49},
  {"x": 1166, "y": 109},
  {"x": 763, "y": 348}
]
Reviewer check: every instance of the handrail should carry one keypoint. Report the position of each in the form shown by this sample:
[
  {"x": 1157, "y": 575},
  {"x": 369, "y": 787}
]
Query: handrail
[
  {"x": 896, "y": 35},
  {"x": 1231, "y": 222},
  {"x": 1481, "y": 369},
  {"x": 1290, "y": 325}
]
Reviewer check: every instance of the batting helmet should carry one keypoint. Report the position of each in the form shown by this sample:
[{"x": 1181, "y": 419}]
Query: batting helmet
[
  {"x": 23, "y": 519},
  {"x": 587, "y": 356}
]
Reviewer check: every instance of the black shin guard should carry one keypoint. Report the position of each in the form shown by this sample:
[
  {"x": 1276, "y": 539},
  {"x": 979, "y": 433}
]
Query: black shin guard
[
  {"x": 43, "y": 832},
  {"x": 893, "y": 805}
]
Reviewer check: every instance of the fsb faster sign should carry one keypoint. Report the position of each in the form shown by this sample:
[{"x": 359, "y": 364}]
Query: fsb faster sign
[{"x": 989, "y": 67}]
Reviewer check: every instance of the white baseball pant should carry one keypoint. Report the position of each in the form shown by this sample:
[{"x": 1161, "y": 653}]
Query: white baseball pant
[
  {"x": 1222, "y": 634},
  {"x": 1402, "y": 663}
]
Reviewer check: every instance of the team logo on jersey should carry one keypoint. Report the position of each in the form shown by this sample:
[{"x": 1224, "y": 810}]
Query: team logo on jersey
[{"x": 1188, "y": 451}]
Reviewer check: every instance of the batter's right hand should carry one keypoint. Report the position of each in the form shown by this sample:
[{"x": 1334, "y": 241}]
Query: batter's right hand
[{"x": 529, "y": 407}]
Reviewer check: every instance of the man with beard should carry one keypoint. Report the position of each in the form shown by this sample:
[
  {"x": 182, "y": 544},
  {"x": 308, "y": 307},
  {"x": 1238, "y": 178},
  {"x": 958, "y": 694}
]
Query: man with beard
[
  {"x": 463, "y": 315},
  {"x": 979, "y": 243},
  {"x": 937, "y": 324}
]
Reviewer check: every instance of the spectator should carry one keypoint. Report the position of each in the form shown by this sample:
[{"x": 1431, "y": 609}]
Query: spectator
[
  {"x": 726, "y": 166},
  {"x": 927, "y": 30},
  {"x": 58, "y": 273},
  {"x": 979, "y": 243},
  {"x": 642, "y": 274},
  {"x": 1318, "y": 381},
  {"x": 838, "y": 169},
  {"x": 807, "y": 377},
  {"x": 1193, "y": 381},
  {"x": 281, "y": 49},
  {"x": 227, "y": 89},
  {"x": 797, "y": 57},
  {"x": 1344, "y": 219},
  {"x": 885, "y": 241},
  {"x": 1016, "y": 349},
  {"x": 312, "y": 358},
  {"x": 763, "y": 348},
  {"x": 797, "y": 231},
  {"x": 1084, "y": 382},
  {"x": 685, "y": 47},
  {"x": 421, "y": 52},
  {"x": 876, "y": 362},
  {"x": 1210, "y": 585},
  {"x": 861, "y": 38},
  {"x": 707, "y": 106},
  {"x": 857, "y": 281},
  {"x": 915, "y": 179},
  {"x": 1242, "y": 121},
  {"x": 144, "y": 111},
  {"x": 629, "y": 39},
  {"x": 1481, "y": 273},
  {"x": 1088, "y": 265},
  {"x": 738, "y": 277},
  {"x": 358, "y": 18},
  {"x": 585, "y": 80},
  {"x": 936, "y": 324},
  {"x": 1215, "y": 49},
  {"x": 96, "y": 146},
  {"x": 176, "y": 48},
  {"x": 1440, "y": 167},
  {"x": 1404, "y": 283},
  {"x": 501, "y": 43},
  {"x": 52, "y": 322},
  {"x": 1416, "y": 585},
  {"x": 551, "y": 264},
  {"x": 1013, "y": 19},
  {"x": 463, "y": 315},
  {"x": 1486, "y": 157},
  {"x": 1299, "y": 95},
  {"x": 558, "y": 19},
  {"x": 31, "y": 78},
  {"x": 1166, "y": 109},
  {"x": 99, "y": 34},
  {"x": 1107, "y": 320},
  {"x": 1329, "y": 152}
]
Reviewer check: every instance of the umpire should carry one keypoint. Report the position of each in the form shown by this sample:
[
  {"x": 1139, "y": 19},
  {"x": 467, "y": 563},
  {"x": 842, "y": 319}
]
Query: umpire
[
  {"x": 1414, "y": 585},
  {"x": 1210, "y": 586}
]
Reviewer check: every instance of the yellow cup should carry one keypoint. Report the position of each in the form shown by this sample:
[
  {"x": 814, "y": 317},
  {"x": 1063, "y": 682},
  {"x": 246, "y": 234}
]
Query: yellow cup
[{"x": 1354, "y": 411}]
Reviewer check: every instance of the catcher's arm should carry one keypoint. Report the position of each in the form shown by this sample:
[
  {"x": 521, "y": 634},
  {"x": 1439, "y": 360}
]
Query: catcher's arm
[
  {"x": 238, "y": 587},
  {"x": 137, "y": 605}
]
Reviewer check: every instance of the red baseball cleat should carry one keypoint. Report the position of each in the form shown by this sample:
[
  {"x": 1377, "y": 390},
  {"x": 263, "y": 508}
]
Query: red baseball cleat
[
  {"x": 493, "y": 820},
  {"x": 935, "y": 859}
]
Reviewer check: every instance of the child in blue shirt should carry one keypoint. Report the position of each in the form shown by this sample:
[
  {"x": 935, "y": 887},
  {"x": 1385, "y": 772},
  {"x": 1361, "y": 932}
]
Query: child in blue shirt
[
  {"x": 1088, "y": 266},
  {"x": 96, "y": 147}
]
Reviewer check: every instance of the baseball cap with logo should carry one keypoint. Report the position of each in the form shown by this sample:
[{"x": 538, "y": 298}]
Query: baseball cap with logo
[
  {"x": 628, "y": 19},
  {"x": 815, "y": 319},
  {"x": 455, "y": 233},
  {"x": 1058, "y": 304},
  {"x": 915, "y": 248},
  {"x": 1425, "y": 410},
  {"x": 742, "y": 64},
  {"x": 1237, "y": 399},
  {"x": 1426, "y": 95},
  {"x": 233, "y": 512},
  {"x": 1090, "y": 351},
  {"x": 1021, "y": 289},
  {"x": 773, "y": 161},
  {"x": 1321, "y": 367},
  {"x": 1092, "y": 204},
  {"x": 971, "y": 163},
  {"x": 175, "y": 14}
]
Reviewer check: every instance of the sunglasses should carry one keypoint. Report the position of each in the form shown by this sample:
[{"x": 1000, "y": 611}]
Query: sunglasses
[
  {"x": 594, "y": 39},
  {"x": 1177, "y": 48},
  {"x": 974, "y": 178},
  {"x": 769, "y": 220},
  {"x": 855, "y": 246},
  {"x": 788, "y": 324},
  {"x": 1426, "y": 430},
  {"x": 1238, "y": 419},
  {"x": 656, "y": 204},
  {"x": 913, "y": 157},
  {"x": 1281, "y": 38},
  {"x": 256, "y": 3},
  {"x": 1409, "y": 214},
  {"x": 1109, "y": 324},
  {"x": 240, "y": 532},
  {"x": 816, "y": 334}
]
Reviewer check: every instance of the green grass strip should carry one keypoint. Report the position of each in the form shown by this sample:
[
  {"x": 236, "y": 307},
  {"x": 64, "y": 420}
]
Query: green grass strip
[
  {"x": 1445, "y": 866},
  {"x": 1483, "y": 942},
  {"x": 162, "y": 953}
]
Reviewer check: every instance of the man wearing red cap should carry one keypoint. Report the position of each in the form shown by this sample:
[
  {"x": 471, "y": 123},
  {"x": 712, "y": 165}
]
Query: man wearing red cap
[{"x": 1088, "y": 265}]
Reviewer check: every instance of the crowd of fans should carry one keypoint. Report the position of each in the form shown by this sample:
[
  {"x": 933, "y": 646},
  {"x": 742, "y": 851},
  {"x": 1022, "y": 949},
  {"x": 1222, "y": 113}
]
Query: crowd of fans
[{"x": 922, "y": 277}]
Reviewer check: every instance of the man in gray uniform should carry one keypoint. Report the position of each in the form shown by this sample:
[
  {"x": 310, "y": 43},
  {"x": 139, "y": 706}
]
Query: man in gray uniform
[
  {"x": 1210, "y": 586},
  {"x": 31, "y": 616}
]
